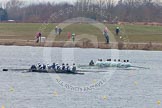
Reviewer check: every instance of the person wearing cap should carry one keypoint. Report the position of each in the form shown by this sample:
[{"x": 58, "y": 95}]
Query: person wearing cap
[
  {"x": 33, "y": 67},
  {"x": 53, "y": 66},
  {"x": 98, "y": 62},
  {"x": 119, "y": 63},
  {"x": 74, "y": 68},
  {"x": 57, "y": 67},
  {"x": 44, "y": 67},
  {"x": 63, "y": 67},
  {"x": 117, "y": 31},
  {"x": 107, "y": 62},
  {"x": 49, "y": 67},
  {"x": 38, "y": 66},
  {"x": 91, "y": 63},
  {"x": 67, "y": 67}
]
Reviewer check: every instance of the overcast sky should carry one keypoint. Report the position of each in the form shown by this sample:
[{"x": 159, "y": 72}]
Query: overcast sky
[
  {"x": 30, "y": 1},
  {"x": 37, "y": 1}
]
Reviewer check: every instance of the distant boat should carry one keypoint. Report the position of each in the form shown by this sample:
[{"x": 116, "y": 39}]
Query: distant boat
[{"x": 11, "y": 20}]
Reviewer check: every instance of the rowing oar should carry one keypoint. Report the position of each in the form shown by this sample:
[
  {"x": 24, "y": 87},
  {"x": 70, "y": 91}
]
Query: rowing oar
[
  {"x": 140, "y": 67},
  {"x": 15, "y": 69},
  {"x": 91, "y": 71}
]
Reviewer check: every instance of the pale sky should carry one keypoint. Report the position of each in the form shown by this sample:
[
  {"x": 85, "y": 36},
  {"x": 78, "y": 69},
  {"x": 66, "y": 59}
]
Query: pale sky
[
  {"x": 30, "y": 1},
  {"x": 56, "y": 1}
]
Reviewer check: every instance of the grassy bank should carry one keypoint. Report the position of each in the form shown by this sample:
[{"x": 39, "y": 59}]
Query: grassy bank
[{"x": 134, "y": 33}]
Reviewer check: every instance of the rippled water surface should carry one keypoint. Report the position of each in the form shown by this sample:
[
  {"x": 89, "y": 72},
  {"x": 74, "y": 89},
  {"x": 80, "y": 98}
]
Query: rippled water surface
[{"x": 115, "y": 88}]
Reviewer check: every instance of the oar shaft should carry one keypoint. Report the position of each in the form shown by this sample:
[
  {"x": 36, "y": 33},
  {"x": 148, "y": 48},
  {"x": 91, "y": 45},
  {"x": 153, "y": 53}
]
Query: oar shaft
[
  {"x": 91, "y": 71},
  {"x": 140, "y": 67},
  {"x": 15, "y": 69}
]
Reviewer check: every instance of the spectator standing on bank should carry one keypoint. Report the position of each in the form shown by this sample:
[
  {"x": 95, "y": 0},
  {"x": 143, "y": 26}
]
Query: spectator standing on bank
[
  {"x": 105, "y": 33},
  {"x": 38, "y": 36},
  {"x": 117, "y": 30},
  {"x": 56, "y": 30},
  {"x": 69, "y": 35},
  {"x": 59, "y": 30},
  {"x": 73, "y": 37}
]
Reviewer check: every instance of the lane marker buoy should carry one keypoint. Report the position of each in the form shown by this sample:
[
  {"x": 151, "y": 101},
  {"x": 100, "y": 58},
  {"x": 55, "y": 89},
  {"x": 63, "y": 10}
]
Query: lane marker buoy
[
  {"x": 158, "y": 102},
  {"x": 11, "y": 89},
  {"x": 55, "y": 93},
  {"x": 104, "y": 97},
  {"x": 136, "y": 83},
  {"x": 94, "y": 81},
  {"x": 58, "y": 78}
]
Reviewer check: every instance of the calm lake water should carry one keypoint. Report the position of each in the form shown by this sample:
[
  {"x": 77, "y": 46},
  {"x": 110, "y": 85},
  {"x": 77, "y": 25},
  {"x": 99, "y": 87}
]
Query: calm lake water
[{"x": 115, "y": 88}]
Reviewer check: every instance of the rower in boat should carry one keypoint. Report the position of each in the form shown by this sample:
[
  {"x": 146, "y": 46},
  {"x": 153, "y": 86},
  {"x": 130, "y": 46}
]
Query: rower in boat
[
  {"x": 119, "y": 63},
  {"x": 63, "y": 67},
  {"x": 125, "y": 64},
  {"x": 41, "y": 67},
  {"x": 91, "y": 63},
  {"x": 58, "y": 68},
  {"x": 74, "y": 68},
  {"x": 49, "y": 67},
  {"x": 33, "y": 67},
  {"x": 67, "y": 67},
  {"x": 108, "y": 59},
  {"x": 44, "y": 67},
  {"x": 107, "y": 62},
  {"x": 53, "y": 66},
  {"x": 99, "y": 63},
  {"x": 128, "y": 63},
  {"x": 113, "y": 63},
  {"x": 38, "y": 66}
]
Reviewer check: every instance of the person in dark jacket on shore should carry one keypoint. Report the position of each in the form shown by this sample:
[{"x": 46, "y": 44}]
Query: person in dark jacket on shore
[
  {"x": 59, "y": 30},
  {"x": 38, "y": 36},
  {"x": 117, "y": 31}
]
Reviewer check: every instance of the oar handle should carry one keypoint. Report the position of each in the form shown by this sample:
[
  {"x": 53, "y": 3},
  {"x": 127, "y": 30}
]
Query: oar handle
[
  {"x": 15, "y": 69},
  {"x": 5, "y": 70}
]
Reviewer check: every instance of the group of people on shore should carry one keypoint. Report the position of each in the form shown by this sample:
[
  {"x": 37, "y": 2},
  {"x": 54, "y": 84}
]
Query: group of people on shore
[
  {"x": 54, "y": 67},
  {"x": 106, "y": 33},
  {"x": 58, "y": 30},
  {"x": 39, "y": 34}
]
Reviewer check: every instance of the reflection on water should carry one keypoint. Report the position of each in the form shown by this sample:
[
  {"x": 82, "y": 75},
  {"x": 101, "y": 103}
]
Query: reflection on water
[{"x": 129, "y": 88}]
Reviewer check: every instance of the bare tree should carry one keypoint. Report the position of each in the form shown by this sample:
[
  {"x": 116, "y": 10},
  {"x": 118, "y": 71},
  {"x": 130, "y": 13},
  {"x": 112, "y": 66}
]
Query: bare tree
[{"x": 124, "y": 10}]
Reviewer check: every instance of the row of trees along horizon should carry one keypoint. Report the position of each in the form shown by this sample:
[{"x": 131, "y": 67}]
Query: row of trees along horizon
[{"x": 109, "y": 10}]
